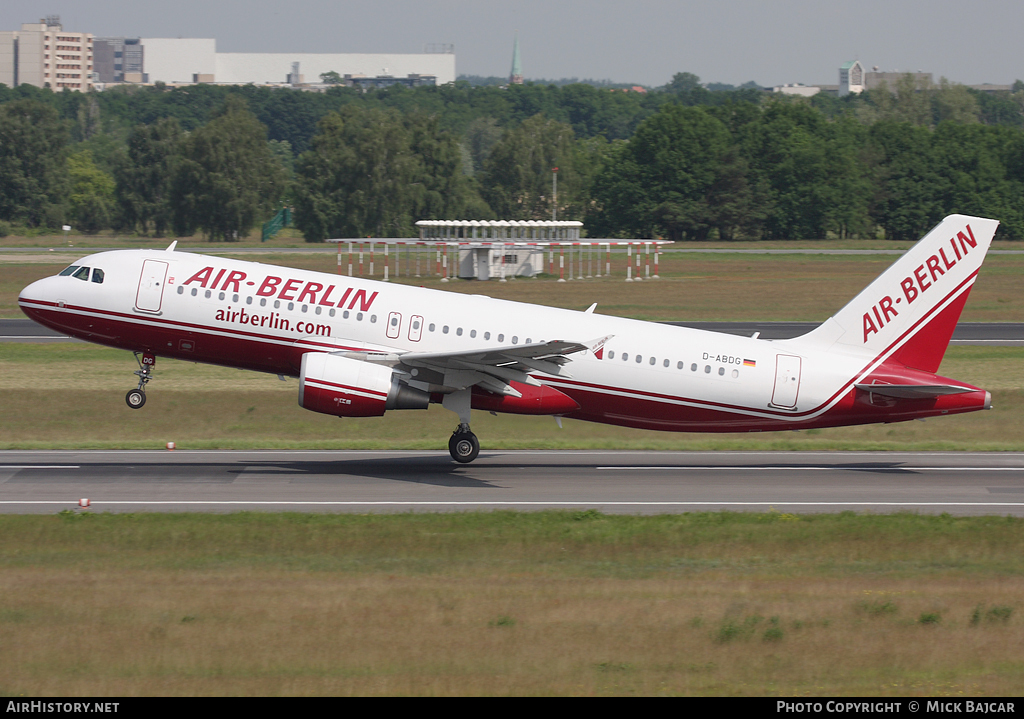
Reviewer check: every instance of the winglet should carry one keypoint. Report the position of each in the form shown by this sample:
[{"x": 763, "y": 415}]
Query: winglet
[
  {"x": 170, "y": 247},
  {"x": 590, "y": 310},
  {"x": 597, "y": 346}
]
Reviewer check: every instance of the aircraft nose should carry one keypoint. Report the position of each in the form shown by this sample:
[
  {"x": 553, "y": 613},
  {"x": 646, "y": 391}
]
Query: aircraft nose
[
  {"x": 34, "y": 291},
  {"x": 30, "y": 298}
]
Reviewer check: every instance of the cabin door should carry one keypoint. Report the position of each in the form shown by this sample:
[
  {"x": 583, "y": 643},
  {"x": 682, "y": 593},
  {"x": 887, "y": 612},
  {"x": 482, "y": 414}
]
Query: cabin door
[
  {"x": 151, "y": 286},
  {"x": 787, "y": 380}
]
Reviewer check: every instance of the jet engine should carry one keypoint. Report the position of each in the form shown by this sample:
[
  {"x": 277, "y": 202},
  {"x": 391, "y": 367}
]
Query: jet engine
[{"x": 352, "y": 388}]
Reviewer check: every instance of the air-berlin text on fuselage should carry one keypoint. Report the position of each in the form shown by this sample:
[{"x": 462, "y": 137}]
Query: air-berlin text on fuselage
[
  {"x": 920, "y": 280},
  {"x": 290, "y": 290}
]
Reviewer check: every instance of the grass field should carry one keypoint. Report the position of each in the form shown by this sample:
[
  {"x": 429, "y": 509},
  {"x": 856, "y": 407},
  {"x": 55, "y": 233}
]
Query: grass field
[
  {"x": 72, "y": 395},
  {"x": 547, "y": 603}
]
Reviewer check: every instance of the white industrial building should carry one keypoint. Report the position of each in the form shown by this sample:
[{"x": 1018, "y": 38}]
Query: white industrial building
[
  {"x": 186, "y": 60},
  {"x": 796, "y": 88}
]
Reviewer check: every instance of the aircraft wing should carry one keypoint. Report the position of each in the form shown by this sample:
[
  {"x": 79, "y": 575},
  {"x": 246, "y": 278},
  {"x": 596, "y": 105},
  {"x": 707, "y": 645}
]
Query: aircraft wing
[{"x": 493, "y": 369}]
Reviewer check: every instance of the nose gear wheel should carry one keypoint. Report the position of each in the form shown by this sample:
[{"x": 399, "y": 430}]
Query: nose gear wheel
[{"x": 137, "y": 397}]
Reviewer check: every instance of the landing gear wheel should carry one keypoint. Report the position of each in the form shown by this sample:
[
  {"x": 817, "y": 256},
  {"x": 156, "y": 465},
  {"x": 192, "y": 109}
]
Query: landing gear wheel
[
  {"x": 135, "y": 398},
  {"x": 464, "y": 446}
]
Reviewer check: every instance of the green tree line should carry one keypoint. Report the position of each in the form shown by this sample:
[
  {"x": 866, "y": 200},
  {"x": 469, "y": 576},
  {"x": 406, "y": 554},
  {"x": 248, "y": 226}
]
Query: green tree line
[{"x": 684, "y": 162}]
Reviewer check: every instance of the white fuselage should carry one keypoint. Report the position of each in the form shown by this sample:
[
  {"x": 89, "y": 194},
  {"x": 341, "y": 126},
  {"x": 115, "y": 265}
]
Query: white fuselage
[{"x": 265, "y": 317}]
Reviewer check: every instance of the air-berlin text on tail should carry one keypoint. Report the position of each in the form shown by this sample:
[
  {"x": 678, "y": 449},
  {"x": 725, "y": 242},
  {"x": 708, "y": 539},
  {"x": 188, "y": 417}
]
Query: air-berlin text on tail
[
  {"x": 923, "y": 278},
  {"x": 289, "y": 290}
]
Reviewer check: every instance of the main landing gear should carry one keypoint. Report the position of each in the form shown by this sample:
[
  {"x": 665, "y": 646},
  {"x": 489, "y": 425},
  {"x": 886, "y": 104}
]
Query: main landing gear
[
  {"x": 137, "y": 397},
  {"x": 463, "y": 445}
]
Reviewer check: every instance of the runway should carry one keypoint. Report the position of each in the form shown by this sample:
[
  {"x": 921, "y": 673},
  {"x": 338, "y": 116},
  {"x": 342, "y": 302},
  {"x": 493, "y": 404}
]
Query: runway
[
  {"x": 1006, "y": 334},
  {"x": 612, "y": 482}
]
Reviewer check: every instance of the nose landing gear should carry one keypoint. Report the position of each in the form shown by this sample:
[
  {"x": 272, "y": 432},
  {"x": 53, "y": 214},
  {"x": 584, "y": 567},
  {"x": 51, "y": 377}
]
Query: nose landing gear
[{"x": 137, "y": 397}]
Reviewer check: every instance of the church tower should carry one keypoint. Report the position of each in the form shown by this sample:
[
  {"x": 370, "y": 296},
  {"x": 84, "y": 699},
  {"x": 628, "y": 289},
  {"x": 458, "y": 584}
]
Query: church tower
[{"x": 516, "y": 77}]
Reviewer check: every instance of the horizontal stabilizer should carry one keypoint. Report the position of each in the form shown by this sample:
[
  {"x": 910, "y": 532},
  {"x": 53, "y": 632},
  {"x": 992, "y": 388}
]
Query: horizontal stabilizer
[{"x": 914, "y": 391}]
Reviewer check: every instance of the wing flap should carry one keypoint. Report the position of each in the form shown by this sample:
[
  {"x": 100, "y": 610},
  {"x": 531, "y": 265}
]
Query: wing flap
[{"x": 498, "y": 355}]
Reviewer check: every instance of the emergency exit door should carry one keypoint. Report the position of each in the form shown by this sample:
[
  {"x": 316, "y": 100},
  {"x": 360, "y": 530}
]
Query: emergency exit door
[
  {"x": 151, "y": 286},
  {"x": 787, "y": 380}
]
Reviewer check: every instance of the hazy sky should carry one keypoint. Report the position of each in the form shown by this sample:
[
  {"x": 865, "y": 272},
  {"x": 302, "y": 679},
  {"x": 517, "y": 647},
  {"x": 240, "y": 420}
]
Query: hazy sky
[{"x": 643, "y": 41}]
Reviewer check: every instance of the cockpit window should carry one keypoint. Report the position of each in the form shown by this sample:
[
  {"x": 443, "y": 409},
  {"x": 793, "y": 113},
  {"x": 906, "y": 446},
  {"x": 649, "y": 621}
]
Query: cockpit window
[
  {"x": 82, "y": 274},
  {"x": 68, "y": 271},
  {"x": 97, "y": 276}
]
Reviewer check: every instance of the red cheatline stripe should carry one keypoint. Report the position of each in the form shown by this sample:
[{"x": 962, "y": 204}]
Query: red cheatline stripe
[{"x": 313, "y": 380}]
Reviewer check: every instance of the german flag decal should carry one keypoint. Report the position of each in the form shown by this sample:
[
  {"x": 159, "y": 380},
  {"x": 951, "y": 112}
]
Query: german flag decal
[{"x": 749, "y": 363}]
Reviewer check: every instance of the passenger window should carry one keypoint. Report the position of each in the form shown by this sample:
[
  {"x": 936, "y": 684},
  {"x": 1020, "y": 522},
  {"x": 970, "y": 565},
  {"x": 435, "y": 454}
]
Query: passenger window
[
  {"x": 445, "y": 329},
  {"x": 263, "y": 301},
  {"x": 373, "y": 319},
  {"x": 291, "y": 305},
  {"x": 721, "y": 371},
  {"x": 472, "y": 333},
  {"x": 528, "y": 340},
  {"x": 82, "y": 274},
  {"x": 209, "y": 294},
  {"x": 611, "y": 354},
  {"x": 653, "y": 360},
  {"x": 665, "y": 363},
  {"x": 319, "y": 309},
  {"x": 277, "y": 303},
  {"x": 459, "y": 332},
  {"x": 248, "y": 300},
  {"x": 394, "y": 322},
  {"x": 487, "y": 335},
  {"x": 707, "y": 369},
  {"x": 359, "y": 316},
  {"x": 501, "y": 338},
  {"x": 625, "y": 356},
  {"x": 234, "y": 298},
  {"x": 432, "y": 326},
  {"x": 305, "y": 308},
  {"x": 332, "y": 312},
  {"x": 181, "y": 290},
  {"x": 220, "y": 296},
  {"x": 97, "y": 276},
  {"x": 693, "y": 367},
  {"x": 68, "y": 271},
  {"x": 679, "y": 364},
  {"x": 344, "y": 315},
  {"x": 639, "y": 359},
  {"x": 195, "y": 291},
  {"x": 515, "y": 340}
]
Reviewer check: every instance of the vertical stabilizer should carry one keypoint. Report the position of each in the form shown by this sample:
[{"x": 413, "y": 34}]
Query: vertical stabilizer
[{"x": 910, "y": 311}]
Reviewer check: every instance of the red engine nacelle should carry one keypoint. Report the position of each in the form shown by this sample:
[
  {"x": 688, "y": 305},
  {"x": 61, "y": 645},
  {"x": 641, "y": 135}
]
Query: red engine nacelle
[{"x": 352, "y": 388}]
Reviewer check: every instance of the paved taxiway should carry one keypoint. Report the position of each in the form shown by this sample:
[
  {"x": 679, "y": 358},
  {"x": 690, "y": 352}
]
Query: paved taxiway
[{"x": 615, "y": 482}]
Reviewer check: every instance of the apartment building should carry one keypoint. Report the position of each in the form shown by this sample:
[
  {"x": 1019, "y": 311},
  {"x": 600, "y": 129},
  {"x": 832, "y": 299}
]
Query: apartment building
[{"x": 45, "y": 55}]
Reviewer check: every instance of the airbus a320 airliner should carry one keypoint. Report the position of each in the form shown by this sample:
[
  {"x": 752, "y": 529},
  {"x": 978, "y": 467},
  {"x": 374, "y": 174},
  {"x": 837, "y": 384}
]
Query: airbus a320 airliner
[{"x": 361, "y": 347}]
